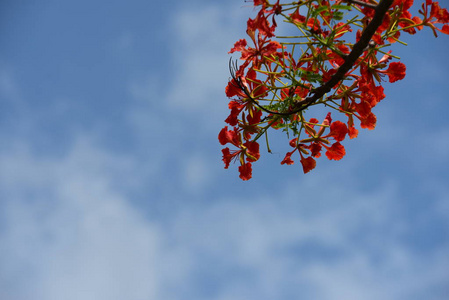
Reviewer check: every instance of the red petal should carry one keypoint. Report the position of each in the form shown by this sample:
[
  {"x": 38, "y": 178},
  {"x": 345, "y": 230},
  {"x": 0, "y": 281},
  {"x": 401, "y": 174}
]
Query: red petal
[
  {"x": 257, "y": 114},
  {"x": 227, "y": 156},
  {"x": 222, "y": 136},
  {"x": 363, "y": 108},
  {"x": 315, "y": 148},
  {"x": 287, "y": 159},
  {"x": 228, "y": 136},
  {"x": 245, "y": 171},
  {"x": 338, "y": 130},
  {"x": 232, "y": 119},
  {"x": 353, "y": 132},
  {"x": 232, "y": 89},
  {"x": 252, "y": 151},
  {"x": 293, "y": 142},
  {"x": 369, "y": 122},
  {"x": 396, "y": 71},
  {"x": 336, "y": 151},
  {"x": 308, "y": 164},
  {"x": 238, "y": 46},
  {"x": 445, "y": 29}
]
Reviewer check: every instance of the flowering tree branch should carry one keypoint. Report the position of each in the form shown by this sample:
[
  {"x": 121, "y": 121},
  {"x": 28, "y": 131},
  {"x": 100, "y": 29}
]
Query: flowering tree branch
[
  {"x": 358, "y": 49},
  {"x": 275, "y": 85}
]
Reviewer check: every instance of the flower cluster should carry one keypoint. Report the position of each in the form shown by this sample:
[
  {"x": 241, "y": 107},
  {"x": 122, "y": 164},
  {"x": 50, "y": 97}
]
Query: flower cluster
[{"x": 281, "y": 77}]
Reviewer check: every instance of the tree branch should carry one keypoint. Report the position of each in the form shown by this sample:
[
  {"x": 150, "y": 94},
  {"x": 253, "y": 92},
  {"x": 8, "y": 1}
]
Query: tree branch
[{"x": 357, "y": 50}]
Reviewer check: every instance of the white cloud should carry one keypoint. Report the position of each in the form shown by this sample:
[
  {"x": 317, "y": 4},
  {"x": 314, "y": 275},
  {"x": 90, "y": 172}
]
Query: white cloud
[
  {"x": 70, "y": 233},
  {"x": 275, "y": 244}
]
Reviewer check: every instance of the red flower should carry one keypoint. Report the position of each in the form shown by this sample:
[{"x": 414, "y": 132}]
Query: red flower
[
  {"x": 440, "y": 14},
  {"x": 341, "y": 28},
  {"x": 368, "y": 122},
  {"x": 363, "y": 108},
  {"x": 249, "y": 149},
  {"x": 336, "y": 151},
  {"x": 308, "y": 164},
  {"x": 371, "y": 93},
  {"x": 437, "y": 15},
  {"x": 260, "y": 22},
  {"x": 260, "y": 2},
  {"x": 235, "y": 108},
  {"x": 315, "y": 149},
  {"x": 255, "y": 88},
  {"x": 313, "y": 23},
  {"x": 338, "y": 131},
  {"x": 249, "y": 124},
  {"x": 232, "y": 89},
  {"x": 227, "y": 156},
  {"x": 395, "y": 71},
  {"x": 353, "y": 132},
  {"x": 406, "y": 4},
  {"x": 263, "y": 48},
  {"x": 228, "y": 136},
  {"x": 245, "y": 171},
  {"x": 297, "y": 17},
  {"x": 288, "y": 158}
]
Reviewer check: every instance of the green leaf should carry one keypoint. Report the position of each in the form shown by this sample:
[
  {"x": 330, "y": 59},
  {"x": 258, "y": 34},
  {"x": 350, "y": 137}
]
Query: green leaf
[
  {"x": 341, "y": 7},
  {"x": 338, "y": 15},
  {"x": 317, "y": 11}
]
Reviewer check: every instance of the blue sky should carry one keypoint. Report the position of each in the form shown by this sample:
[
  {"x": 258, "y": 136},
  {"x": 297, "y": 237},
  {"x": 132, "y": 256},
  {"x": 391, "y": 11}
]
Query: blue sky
[{"x": 112, "y": 184}]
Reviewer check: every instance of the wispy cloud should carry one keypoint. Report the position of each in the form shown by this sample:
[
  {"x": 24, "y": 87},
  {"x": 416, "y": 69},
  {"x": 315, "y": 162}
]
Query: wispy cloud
[
  {"x": 85, "y": 239},
  {"x": 70, "y": 229}
]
